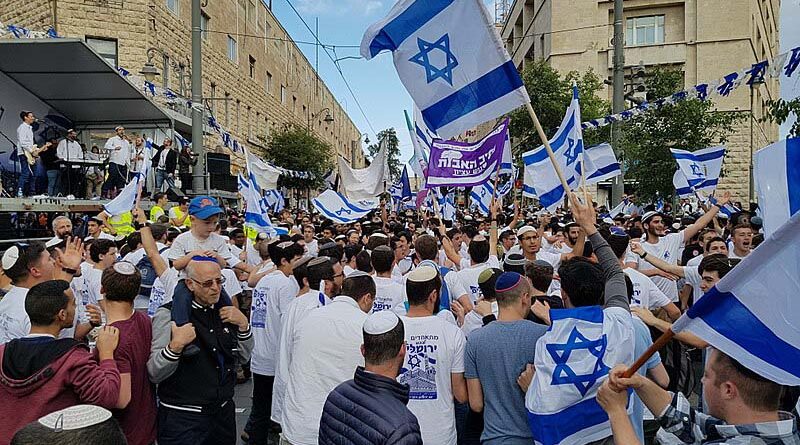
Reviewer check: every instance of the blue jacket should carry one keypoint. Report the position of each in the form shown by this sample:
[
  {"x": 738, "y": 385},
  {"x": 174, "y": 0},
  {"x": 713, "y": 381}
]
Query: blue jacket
[{"x": 368, "y": 410}]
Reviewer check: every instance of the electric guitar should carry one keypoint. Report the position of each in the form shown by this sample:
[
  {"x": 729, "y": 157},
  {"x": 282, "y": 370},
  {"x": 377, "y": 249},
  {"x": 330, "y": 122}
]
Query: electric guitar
[{"x": 34, "y": 153}]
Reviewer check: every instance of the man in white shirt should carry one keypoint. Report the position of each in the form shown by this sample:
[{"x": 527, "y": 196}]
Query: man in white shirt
[
  {"x": 324, "y": 277},
  {"x": 434, "y": 363},
  {"x": 667, "y": 247},
  {"x": 119, "y": 158},
  {"x": 271, "y": 298},
  {"x": 742, "y": 237},
  {"x": 326, "y": 346},
  {"x": 312, "y": 246},
  {"x": 530, "y": 240},
  {"x": 388, "y": 293},
  {"x": 25, "y": 143},
  {"x": 94, "y": 231},
  {"x": 70, "y": 150},
  {"x": 62, "y": 228}
]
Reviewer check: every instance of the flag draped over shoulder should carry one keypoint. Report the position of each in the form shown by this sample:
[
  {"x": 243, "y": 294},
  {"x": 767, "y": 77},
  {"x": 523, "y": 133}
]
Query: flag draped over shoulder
[
  {"x": 451, "y": 60},
  {"x": 464, "y": 164},
  {"x": 572, "y": 360},
  {"x": 339, "y": 209},
  {"x": 365, "y": 183},
  {"x": 777, "y": 177},
  {"x": 541, "y": 179},
  {"x": 753, "y": 313}
]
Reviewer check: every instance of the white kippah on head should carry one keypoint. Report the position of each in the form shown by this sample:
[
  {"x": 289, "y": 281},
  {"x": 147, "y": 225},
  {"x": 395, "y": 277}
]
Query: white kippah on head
[
  {"x": 380, "y": 322},
  {"x": 358, "y": 273},
  {"x": 124, "y": 267},
  {"x": 10, "y": 257},
  {"x": 422, "y": 274},
  {"x": 75, "y": 417},
  {"x": 53, "y": 242}
]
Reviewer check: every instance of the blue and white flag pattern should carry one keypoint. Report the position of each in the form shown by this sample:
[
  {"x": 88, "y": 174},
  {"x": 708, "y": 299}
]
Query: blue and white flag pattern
[
  {"x": 451, "y": 60},
  {"x": 275, "y": 200},
  {"x": 481, "y": 197},
  {"x": 256, "y": 214},
  {"x": 421, "y": 139},
  {"x": 733, "y": 318},
  {"x": 777, "y": 177},
  {"x": 700, "y": 168},
  {"x": 339, "y": 209},
  {"x": 601, "y": 163},
  {"x": 126, "y": 199},
  {"x": 572, "y": 360},
  {"x": 541, "y": 179},
  {"x": 401, "y": 190},
  {"x": 447, "y": 204}
]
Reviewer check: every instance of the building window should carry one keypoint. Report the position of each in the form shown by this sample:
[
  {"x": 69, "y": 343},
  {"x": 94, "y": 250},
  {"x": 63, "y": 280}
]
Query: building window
[
  {"x": 204, "y": 25},
  {"x": 252, "y": 67},
  {"x": 294, "y": 104},
  {"x": 106, "y": 48},
  {"x": 238, "y": 116},
  {"x": 233, "y": 50},
  {"x": 173, "y": 6},
  {"x": 283, "y": 95},
  {"x": 269, "y": 83},
  {"x": 647, "y": 30}
]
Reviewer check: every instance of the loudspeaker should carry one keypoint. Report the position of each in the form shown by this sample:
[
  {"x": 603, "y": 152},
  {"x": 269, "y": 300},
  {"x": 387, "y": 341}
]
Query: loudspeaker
[
  {"x": 174, "y": 194},
  {"x": 218, "y": 163},
  {"x": 223, "y": 181}
]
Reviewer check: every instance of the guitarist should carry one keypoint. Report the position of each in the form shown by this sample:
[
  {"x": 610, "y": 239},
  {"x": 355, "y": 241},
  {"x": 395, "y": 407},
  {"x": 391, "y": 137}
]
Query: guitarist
[{"x": 27, "y": 152}]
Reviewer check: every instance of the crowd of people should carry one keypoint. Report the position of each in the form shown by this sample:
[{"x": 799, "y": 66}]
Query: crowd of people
[
  {"x": 399, "y": 328},
  {"x": 62, "y": 166}
]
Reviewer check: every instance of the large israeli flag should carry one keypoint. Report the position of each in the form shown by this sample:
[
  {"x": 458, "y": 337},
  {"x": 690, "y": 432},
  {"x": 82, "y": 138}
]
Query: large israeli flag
[
  {"x": 338, "y": 209},
  {"x": 700, "y": 168},
  {"x": 256, "y": 215},
  {"x": 601, "y": 163},
  {"x": 126, "y": 199},
  {"x": 421, "y": 139},
  {"x": 572, "y": 360},
  {"x": 777, "y": 177},
  {"x": 734, "y": 318},
  {"x": 541, "y": 179},
  {"x": 451, "y": 60}
]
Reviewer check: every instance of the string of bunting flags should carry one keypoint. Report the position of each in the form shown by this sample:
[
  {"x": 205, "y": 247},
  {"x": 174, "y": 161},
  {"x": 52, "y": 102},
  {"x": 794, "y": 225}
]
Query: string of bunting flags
[
  {"x": 153, "y": 90},
  {"x": 755, "y": 74}
]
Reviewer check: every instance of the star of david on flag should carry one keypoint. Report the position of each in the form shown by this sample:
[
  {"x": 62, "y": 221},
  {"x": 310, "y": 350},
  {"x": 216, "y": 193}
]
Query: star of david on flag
[
  {"x": 572, "y": 360},
  {"x": 339, "y": 209},
  {"x": 698, "y": 171},
  {"x": 451, "y": 60}
]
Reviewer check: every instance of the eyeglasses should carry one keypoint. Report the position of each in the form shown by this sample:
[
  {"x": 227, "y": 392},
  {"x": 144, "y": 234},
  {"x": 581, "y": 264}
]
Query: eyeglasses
[
  {"x": 207, "y": 284},
  {"x": 338, "y": 275}
]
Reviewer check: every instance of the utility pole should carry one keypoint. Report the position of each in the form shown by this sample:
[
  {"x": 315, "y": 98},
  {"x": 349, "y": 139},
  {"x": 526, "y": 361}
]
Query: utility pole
[
  {"x": 618, "y": 102},
  {"x": 199, "y": 183}
]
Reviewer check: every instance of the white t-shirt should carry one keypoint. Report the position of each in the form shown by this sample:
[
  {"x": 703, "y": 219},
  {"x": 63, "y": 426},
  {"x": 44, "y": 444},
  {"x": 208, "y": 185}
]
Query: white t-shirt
[
  {"x": 667, "y": 249},
  {"x": 347, "y": 270},
  {"x": 388, "y": 294},
  {"x": 434, "y": 351},
  {"x": 187, "y": 242},
  {"x": 271, "y": 298},
  {"x": 103, "y": 235},
  {"x": 90, "y": 291},
  {"x": 232, "y": 285},
  {"x": 732, "y": 254},
  {"x": 468, "y": 275},
  {"x": 14, "y": 321},
  {"x": 473, "y": 321},
  {"x": 645, "y": 293},
  {"x": 162, "y": 290},
  {"x": 312, "y": 248},
  {"x": 693, "y": 278},
  {"x": 554, "y": 259}
]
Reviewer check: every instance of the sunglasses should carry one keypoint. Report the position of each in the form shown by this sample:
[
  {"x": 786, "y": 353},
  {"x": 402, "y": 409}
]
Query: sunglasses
[{"x": 207, "y": 284}]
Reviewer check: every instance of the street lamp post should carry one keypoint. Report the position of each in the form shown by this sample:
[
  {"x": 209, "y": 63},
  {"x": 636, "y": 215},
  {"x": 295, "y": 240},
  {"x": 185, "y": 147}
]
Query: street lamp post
[{"x": 328, "y": 118}]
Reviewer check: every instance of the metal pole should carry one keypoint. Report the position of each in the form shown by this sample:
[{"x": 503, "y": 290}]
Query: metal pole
[
  {"x": 752, "y": 183},
  {"x": 200, "y": 174},
  {"x": 618, "y": 104}
]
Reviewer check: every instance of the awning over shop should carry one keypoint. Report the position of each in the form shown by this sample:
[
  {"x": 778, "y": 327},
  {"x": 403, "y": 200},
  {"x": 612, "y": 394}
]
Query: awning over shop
[{"x": 70, "y": 77}]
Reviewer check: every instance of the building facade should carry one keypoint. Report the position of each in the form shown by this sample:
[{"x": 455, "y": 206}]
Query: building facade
[
  {"x": 705, "y": 39},
  {"x": 255, "y": 78}
]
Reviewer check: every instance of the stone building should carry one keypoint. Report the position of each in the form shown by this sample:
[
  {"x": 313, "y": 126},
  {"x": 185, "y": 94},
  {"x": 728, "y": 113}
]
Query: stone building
[
  {"x": 705, "y": 39},
  {"x": 255, "y": 78}
]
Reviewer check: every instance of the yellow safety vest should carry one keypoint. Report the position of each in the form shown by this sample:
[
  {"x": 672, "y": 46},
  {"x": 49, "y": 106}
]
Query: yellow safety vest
[
  {"x": 155, "y": 210},
  {"x": 187, "y": 222},
  {"x": 122, "y": 224}
]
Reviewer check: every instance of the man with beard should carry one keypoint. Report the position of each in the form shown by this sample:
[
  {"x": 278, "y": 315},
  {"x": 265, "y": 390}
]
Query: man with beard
[
  {"x": 667, "y": 247},
  {"x": 374, "y": 403},
  {"x": 324, "y": 277},
  {"x": 62, "y": 228}
]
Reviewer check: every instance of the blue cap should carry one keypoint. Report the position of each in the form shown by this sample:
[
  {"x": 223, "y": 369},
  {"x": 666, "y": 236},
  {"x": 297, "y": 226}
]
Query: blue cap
[
  {"x": 204, "y": 207},
  {"x": 507, "y": 281}
]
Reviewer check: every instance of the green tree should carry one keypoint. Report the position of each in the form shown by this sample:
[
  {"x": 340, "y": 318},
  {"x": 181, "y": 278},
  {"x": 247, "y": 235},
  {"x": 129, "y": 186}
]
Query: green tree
[
  {"x": 295, "y": 148},
  {"x": 687, "y": 125},
  {"x": 778, "y": 111},
  {"x": 550, "y": 94},
  {"x": 393, "y": 150}
]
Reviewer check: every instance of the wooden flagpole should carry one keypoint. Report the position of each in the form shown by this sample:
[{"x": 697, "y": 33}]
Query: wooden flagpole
[
  {"x": 543, "y": 137},
  {"x": 653, "y": 349}
]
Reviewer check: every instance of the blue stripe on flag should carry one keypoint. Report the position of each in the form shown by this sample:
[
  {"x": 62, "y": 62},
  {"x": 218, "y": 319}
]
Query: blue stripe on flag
[
  {"x": 684, "y": 191},
  {"x": 793, "y": 174},
  {"x": 394, "y": 33},
  {"x": 605, "y": 170},
  {"x": 528, "y": 189},
  {"x": 552, "y": 197},
  {"x": 327, "y": 212},
  {"x": 554, "y": 428},
  {"x": 536, "y": 156},
  {"x": 725, "y": 314},
  {"x": 350, "y": 205},
  {"x": 700, "y": 157},
  {"x": 484, "y": 90},
  {"x": 592, "y": 314}
]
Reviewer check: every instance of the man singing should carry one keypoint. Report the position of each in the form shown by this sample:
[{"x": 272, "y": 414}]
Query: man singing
[
  {"x": 70, "y": 150},
  {"x": 119, "y": 149}
]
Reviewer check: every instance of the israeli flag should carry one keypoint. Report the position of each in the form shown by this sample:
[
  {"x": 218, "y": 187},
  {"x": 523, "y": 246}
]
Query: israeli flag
[
  {"x": 572, "y": 360},
  {"x": 481, "y": 197},
  {"x": 447, "y": 203},
  {"x": 777, "y": 177},
  {"x": 541, "y": 179},
  {"x": 451, "y": 60},
  {"x": 421, "y": 139},
  {"x": 256, "y": 214},
  {"x": 338, "y": 209},
  {"x": 126, "y": 199},
  {"x": 601, "y": 163},
  {"x": 682, "y": 187},
  {"x": 733, "y": 318},
  {"x": 701, "y": 168},
  {"x": 275, "y": 200},
  {"x": 401, "y": 190}
]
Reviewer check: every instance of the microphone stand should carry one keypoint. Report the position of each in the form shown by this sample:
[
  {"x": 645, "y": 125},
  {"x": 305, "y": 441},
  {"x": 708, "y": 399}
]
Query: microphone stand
[{"x": 16, "y": 149}]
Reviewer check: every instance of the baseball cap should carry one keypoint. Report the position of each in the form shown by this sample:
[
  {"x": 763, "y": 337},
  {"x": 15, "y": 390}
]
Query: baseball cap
[{"x": 204, "y": 207}]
